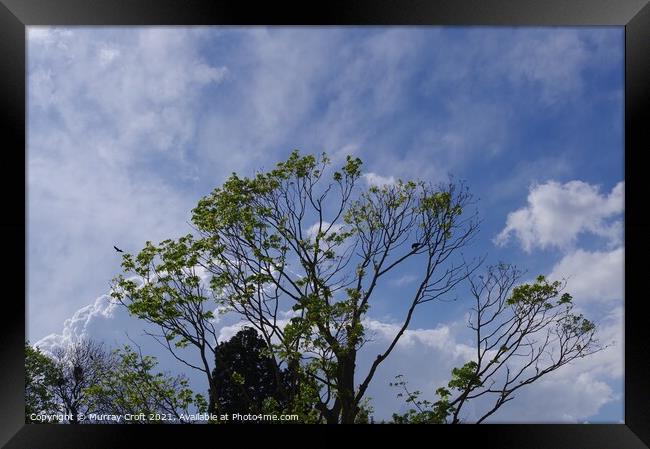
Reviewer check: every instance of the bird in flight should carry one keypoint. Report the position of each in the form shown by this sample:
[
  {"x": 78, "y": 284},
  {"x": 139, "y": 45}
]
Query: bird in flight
[{"x": 117, "y": 249}]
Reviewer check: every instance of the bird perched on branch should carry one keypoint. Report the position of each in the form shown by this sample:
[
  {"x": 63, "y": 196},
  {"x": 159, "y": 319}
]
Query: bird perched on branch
[
  {"x": 416, "y": 245},
  {"x": 117, "y": 249}
]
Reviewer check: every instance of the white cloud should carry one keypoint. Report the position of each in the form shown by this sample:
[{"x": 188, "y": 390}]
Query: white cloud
[
  {"x": 426, "y": 357},
  {"x": 528, "y": 60},
  {"x": 579, "y": 389},
  {"x": 607, "y": 364},
  {"x": 364, "y": 94},
  {"x": 108, "y": 54},
  {"x": 592, "y": 276},
  {"x": 276, "y": 72},
  {"x": 49, "y": 36},
  {"x": 77, "y": 327},
  {"x": 133, "y": 92},
  {"x": 557, "y": 214},
  {"x": 595, "y": 279},
  {"x": 227, "y": 332},
  {"x": 374, "y": 179},
  {"x": 441, "y": 338}
]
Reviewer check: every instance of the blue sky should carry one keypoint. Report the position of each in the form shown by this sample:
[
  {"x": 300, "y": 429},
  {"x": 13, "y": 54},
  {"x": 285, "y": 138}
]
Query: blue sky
[{"x": 129, "y": 127}]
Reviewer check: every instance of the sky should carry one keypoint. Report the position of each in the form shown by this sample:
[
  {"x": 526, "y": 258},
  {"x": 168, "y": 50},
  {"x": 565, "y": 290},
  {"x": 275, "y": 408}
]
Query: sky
[{"x": 129, "y": 127}]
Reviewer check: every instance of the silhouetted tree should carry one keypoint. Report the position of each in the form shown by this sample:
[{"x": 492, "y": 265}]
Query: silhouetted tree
[{"x": 246, "y": 376}]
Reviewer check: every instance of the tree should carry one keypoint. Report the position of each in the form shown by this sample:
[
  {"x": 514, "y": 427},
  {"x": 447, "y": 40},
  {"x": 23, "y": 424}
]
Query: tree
[
  {"x": 39, "y": 377},
  {"x": 522, "y": 333},
  {"x": 305, "y": 242},
  {"x": 245, "y": 377},
  {"x": 77, "y": 367},
  {"x": 131, "y": 387}
]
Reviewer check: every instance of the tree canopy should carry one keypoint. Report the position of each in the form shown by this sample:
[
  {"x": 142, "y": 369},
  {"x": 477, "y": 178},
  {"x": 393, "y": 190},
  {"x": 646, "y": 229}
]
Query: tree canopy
[{"x": 306, "y": 239}]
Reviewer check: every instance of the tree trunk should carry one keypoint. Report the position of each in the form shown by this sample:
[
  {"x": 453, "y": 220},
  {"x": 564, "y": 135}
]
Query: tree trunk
[
  {"x": 347, "y": 365},
  {"x": 74, "y": 415},
  {"x": 212, "y": 396}
]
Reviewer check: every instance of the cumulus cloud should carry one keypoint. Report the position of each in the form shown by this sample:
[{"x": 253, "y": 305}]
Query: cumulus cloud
[
  {"x": 78, "y": 326},
  {"x": 592, "y": 276},
  {"x": 557, "y": 214},
  {"x": 579, "y": 389},
  {"x": 608, "y": 364},
  {"x": 227, "y": 332}
]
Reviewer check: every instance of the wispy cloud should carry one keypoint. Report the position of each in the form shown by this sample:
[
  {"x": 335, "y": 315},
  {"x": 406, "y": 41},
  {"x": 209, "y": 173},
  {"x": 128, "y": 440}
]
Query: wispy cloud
[
  {"x": 111, "y": 116},
  {"x": 403, "y": 280}
]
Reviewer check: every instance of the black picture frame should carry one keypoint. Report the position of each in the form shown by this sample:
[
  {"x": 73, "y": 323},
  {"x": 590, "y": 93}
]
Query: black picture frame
[{"x": 634, "y": 15}]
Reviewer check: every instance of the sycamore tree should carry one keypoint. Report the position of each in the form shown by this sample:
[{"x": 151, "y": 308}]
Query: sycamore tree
[
  {"x": 299, "y": 252},
  {"x": 522, "y": 332}
]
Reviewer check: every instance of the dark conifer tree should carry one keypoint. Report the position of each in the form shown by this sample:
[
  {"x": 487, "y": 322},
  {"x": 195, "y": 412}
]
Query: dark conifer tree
[{"x": 245, "y": 375}]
